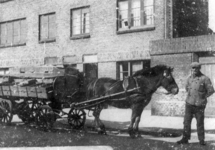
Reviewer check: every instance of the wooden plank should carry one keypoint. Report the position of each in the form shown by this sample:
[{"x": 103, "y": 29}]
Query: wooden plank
[{"x": 14, "y": 90}]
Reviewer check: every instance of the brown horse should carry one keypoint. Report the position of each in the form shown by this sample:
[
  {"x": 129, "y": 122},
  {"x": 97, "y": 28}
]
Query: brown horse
[{"x": 138, "y": 90}]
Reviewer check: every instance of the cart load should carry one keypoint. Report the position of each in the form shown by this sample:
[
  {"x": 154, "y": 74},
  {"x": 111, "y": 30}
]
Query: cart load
[
  {"x": 29, "y": 82},
  {"x": 28, "y": 91}
]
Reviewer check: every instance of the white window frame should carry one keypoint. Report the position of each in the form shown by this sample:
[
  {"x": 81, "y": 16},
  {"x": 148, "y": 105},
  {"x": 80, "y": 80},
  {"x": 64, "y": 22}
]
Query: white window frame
[
  {"x": 82, "y": 23},
  {"x": 121, "y": 73},
  {"x": 129, "y": 22},
  {"x": 13, "y": 33},
  {"x": 49, "y": 29}
]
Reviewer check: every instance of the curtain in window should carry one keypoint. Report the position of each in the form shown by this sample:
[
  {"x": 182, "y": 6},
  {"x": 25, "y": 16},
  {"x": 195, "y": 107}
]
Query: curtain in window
[
  {"x": 123, "y": 14},
  {"x": 76, "y": 22},
  {"x": 135, "y": 13},
  {"x": 85, "y": 20},
  {"x": 148, "y": 12},
  {"x": 80, "y": 21}
]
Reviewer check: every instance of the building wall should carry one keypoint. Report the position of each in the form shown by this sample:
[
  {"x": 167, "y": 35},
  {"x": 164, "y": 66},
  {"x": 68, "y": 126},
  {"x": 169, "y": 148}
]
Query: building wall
[
  {"x": 103, "y": 39},
  {"x": 172, "y": 105},
  {"x": 180, "y": 53}
]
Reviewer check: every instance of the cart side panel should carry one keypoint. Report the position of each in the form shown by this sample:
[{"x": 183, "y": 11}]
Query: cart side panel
[
  {"x": 6, "y": 90},
  {"x": 32, "y": 91},
  {"x": 45, "y": 92},
  {"x": 14, "y": 90},
  {"x": 1, "y": 91},
  {"x": 22, "y": 91}
]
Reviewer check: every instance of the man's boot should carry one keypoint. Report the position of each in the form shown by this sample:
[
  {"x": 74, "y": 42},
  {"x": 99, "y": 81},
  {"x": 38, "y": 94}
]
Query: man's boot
[{"x": 183, "y": 141}]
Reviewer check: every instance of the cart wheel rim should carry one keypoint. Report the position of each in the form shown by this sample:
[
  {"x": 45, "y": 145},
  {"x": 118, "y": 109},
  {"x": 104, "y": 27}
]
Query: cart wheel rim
[
  {"x": 45, "y": 118},
  {"x": 6, "y": 112},
  {"x": 76, "y": 118}
]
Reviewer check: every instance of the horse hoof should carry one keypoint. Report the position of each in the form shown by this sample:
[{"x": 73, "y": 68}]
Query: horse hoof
[
  {"x": 139, "y": 136},
  {"x": 132, "y": 136}
]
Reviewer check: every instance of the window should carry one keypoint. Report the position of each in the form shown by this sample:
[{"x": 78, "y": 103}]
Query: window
[
  {"x": 135, "y": 13},
  {"x": 13, "y": 33},
  {"x": 128, "y": 68},
  {"x": 4, "y": 71},
  {"x": 80, "y": 23},
  {"x": 47, "y": 27}
]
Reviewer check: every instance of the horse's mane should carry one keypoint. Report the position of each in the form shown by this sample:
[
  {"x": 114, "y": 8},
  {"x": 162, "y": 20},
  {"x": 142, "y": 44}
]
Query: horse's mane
[{"x": 154, "y": 71}]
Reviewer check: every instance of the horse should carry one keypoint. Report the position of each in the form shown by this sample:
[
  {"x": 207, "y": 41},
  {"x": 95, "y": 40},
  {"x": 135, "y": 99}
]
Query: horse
[{"x": 137, "y": 91}]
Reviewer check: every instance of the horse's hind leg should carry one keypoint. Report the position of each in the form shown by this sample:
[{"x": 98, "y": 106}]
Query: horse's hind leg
[
  {"x": 136, "y": 126},
  {"x": 100, "y": 127},
  {"x": 130, "y": 128},
  {"x": 136, "y": 113}
]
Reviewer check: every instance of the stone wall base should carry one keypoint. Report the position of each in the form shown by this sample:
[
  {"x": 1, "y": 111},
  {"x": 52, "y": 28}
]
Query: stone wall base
[{"x": 176, "y": 108}]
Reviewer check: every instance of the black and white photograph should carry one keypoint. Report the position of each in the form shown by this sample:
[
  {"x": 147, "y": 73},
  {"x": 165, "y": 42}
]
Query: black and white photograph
[{"x": 107, "y": 74}]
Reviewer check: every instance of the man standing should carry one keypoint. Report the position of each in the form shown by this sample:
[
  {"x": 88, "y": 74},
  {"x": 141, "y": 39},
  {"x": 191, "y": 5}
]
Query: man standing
[{"x": 198, "y": 87}]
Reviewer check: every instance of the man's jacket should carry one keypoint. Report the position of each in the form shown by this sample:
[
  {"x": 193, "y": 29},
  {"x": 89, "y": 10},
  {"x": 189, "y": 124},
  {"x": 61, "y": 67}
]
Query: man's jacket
[{"x": 199, "y": 88}]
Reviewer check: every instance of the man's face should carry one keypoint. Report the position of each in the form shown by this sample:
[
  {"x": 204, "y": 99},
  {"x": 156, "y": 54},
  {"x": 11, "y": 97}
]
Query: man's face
[{"x": 196, "y": 70}]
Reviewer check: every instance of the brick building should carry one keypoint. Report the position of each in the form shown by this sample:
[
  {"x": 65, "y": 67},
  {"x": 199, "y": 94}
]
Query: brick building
[{"x": 102, "y": 38}]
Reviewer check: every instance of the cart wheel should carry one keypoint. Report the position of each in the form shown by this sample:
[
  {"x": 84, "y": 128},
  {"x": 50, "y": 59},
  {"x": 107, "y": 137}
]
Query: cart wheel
[
  {"x": 76, "y": 118},
  {"x": 45, "y": 117},
  {"x": 24, "y": 112},
  {"x": 27, "y": 111},
  {"x": 6, "y": 114}
]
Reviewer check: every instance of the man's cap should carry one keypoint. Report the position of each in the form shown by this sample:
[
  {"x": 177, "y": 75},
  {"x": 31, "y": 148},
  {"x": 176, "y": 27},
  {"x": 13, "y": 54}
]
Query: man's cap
[{"x": 195, "y": 64}]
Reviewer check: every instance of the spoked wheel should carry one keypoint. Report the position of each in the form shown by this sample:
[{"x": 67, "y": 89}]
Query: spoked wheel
[
  {"x": 45, "y": 117},
  {"x": 76, "y": 118},
  {"x": 27, "y": 111},
  {"x": 24, "y": 112},
  {"x": 6, "y": 114}
]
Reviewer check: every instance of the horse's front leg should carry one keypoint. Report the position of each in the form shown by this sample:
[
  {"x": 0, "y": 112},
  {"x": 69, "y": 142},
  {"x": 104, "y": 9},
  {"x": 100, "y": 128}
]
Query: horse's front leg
[
  {"x": 136, "y": 126},
  {"x": 130, "y": 128},
  {"x": 100, "y": 127},
  {"x": 136, "y": 113}
]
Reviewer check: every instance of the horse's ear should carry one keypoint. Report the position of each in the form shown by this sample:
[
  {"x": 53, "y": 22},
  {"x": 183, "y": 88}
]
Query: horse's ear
[{"x": 171, "y": 69}]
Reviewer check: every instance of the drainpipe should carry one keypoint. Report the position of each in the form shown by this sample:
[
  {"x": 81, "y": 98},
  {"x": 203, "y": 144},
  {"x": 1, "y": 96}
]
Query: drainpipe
[{"x": 165, "y": 18}]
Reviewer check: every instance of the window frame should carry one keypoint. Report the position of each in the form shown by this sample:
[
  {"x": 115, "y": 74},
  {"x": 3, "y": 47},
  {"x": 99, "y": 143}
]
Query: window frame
[
  {"x": 4, "y": 71},
  {"x": 145, "y": 64},
  {"x": 130, "y": 28},
  {"x": 81, "y": 35},
  {"x": 47, "y": 40},
  {"x": 21, "y": 29}
]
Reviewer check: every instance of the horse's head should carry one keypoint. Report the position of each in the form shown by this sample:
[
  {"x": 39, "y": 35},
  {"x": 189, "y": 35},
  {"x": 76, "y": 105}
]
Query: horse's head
[
  {"x": 168, "y": 82},
  {"x": 162, "y": 76}
]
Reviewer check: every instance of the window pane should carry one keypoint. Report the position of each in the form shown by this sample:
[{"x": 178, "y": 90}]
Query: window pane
[
  {"x": 16, "y": 32},
  {"x": 123, "y": 14},
  {"x": 123, "y": 70},
  {"x": 52, "y": 26},
  {"x": 23, "y": 32},
  {"x": 3, "y": 31},
  {"x": 148, "y": 12},
  {"x": 76, "y": 22},
  {"x": 10, "y": 33},
  {"x": 211, "y": 17},
  {"x": 44, "y": 28},
  {"x": 85, "y": 20},
  {"x": 148, "y": 2},
  {"x": 136, "y": 66},
  {"x": 135, "y": 13}
]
